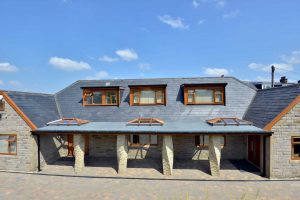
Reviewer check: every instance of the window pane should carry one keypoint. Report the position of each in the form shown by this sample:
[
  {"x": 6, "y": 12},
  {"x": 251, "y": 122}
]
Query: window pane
[
  {"x": 296, "y": 153},
  {"x": 135, "y": 97},
  {"x": 97, "y": 98},
  {"x": 147, "y": 97},
  {"x": 204, "y": 96},
  {"x": 159, "y": 96},
  {"x": 296, "y": 139},
  {"x": 111, "y": 98},
  {"x": 89, "y": 100},
  {"x": 190, "y": 96},
  {"x": 8, "y": 144},
  {"x": 218, "y": 96},
  {"x": 135, "y": 139}
]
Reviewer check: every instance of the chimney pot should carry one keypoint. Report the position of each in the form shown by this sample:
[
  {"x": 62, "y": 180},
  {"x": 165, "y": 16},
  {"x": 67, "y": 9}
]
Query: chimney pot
[{"x": 283, "y": 79}]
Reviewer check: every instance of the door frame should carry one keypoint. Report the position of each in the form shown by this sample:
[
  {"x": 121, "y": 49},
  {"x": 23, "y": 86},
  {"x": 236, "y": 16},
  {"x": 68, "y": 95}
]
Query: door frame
[
  {"x": 254, "y": 150},
  {"x": 71, "y": 145}
]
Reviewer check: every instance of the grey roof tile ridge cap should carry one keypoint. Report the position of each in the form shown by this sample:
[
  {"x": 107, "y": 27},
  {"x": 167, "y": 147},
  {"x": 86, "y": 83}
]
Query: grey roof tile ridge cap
[
  {"x": 58, "y": 106},
  {"x": 65, "y": 88},
  {"x": 248, "y": 85},
  {"x": 250, "y": 104},
  {"x": 203, "y": 77},
  {"x": 31, "y": 93}
]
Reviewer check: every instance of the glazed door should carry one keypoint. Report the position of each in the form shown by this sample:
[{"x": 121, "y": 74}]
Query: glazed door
[
  {"x": 254, "y": 149},
  {"x": 71, "y": 145}
]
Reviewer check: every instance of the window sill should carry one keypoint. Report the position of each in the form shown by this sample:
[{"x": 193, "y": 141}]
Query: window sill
[{"x": 295, "y": 161}]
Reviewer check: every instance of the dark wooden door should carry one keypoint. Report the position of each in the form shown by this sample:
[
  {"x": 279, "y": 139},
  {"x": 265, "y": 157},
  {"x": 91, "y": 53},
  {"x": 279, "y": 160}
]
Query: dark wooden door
[
  {"x": 71, "y": 145},
  {"x": 254, "y": 149}
]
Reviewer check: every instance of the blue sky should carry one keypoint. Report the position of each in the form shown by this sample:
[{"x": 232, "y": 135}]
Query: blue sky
[{"x": 46, "y": 45}]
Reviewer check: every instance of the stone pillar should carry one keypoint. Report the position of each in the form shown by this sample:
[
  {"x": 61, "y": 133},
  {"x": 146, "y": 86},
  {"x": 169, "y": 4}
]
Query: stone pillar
[
  {"x": 167, "y": 155},
  {"x": 215, "y": 154},
  {"x": 79, "y": 145},
  {"x": 122, "y": 153}
]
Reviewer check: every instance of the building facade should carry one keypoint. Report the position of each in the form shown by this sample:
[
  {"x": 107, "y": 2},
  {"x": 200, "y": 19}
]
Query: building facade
[{"x": 168, "y": 119}]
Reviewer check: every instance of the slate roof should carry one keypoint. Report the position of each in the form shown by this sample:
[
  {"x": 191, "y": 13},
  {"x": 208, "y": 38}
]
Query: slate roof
[
  {"x": 67, "y": 103},
  {"x": 238, "y": 97},
  {"x": 178, "y": 127},
  {"x": 268, "y": 103},
  {"x": 39, "y": 108}
]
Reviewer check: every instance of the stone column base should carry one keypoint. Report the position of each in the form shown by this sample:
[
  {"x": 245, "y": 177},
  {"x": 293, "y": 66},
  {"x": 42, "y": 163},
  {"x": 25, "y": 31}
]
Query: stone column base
[
  {"x": 79, "y": 145},
  {"x": 122, "y": 153},
  {"x": 167, "y": 155},
  {"x": 215, "y": 154}
]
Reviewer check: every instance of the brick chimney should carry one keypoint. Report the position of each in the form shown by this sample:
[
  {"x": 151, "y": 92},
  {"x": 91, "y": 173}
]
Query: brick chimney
[{"x": 283, "y": 79}]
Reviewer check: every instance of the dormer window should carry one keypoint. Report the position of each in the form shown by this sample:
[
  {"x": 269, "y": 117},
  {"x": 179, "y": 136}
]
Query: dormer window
[
  {"x": 204, "y": 94},
  {"x": 101, "y": 96},
  {"x": 147, "y": 95}
]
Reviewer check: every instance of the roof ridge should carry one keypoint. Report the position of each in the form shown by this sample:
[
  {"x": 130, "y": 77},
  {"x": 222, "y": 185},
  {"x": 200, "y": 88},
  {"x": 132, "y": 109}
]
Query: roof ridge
[{"x": 32, "y": 93}]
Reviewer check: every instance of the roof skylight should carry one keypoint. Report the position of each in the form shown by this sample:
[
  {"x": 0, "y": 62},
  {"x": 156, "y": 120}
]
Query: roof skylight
[
  {"x": 146, "y": 122},
  {"x": 68, "y": 122},
  {"x": 228, "y": 122}
]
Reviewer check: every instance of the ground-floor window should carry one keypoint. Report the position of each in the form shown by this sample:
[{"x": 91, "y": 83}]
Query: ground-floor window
[
  {"x": 139, "y": 140},
  {"x": 203, "y": 141},
  {"x": 8, "y": 144},
  {"x": 296, "y": 148}
]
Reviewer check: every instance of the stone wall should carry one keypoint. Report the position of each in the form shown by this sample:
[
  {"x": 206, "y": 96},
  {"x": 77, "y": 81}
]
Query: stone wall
[
  {"x": 281, "y": 164},
  {"x": 184, "y": 148},
  {"x": 52, "y": 147},
  {"x": 25, "y": 160}
]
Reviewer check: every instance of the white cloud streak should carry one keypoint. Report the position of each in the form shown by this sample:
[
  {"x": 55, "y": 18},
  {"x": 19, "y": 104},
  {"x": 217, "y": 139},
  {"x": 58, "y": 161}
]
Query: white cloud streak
[
  {"x": 177, "y": 23},
  {"x": 144, "y": 66},
  {"x": 1, "y": 82},
  {"x": 216, "y": 71},
  {"x": 231, "y": 15},
  {"x": 7, "y": 67},
  {"x": 127, "y": 54},
  {"x": 98, "y": 75},
  {"x": 108, "y": 59},
  {"x": 68, "y": 64},
  {"x": 15, "y": 83}
]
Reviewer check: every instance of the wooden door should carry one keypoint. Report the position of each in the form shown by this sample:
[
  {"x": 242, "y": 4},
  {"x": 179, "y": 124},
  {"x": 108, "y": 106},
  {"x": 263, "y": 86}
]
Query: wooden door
[
  {"x": 254, "y": 149},
  {"x": 71, "y": 145}
]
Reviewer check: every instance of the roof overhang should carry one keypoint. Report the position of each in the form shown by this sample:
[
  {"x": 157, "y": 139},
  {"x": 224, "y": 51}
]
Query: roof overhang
[{"x": 148, "y": 85}]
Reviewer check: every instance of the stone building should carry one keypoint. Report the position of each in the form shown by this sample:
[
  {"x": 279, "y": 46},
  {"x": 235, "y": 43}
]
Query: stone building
[{"x": 167, "y": 119}]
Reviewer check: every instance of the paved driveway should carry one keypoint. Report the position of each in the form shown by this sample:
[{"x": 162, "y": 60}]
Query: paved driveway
[{"x": 32, "y": 186}]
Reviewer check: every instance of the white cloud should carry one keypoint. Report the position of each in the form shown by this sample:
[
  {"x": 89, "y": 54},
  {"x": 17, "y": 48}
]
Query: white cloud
[
  {"x": 201, "y": 21},
  {"x": 127, "y": 54},
  {"x": 231, "y": 15},
  {"x": 216, "y": 71},
  {"x": 144, "y": 66},
  {"x": 1, "y": 82},
  {"x": 220, "y": 3},
  {"x": 98, "y": 75},
  {"x": 108, "y": 59},
  {"x": 173, "y": 22},
  {"x": 281, "y": 67},
  {"x": 294, "y": 58},
  {"x": 14, "y": 83},
  {"x": 7, "y": 67},
  {"x": 68, "y": 64}
]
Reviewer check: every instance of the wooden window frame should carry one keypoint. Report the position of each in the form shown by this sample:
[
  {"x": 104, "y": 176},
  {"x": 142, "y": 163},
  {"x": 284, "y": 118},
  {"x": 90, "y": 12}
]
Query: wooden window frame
[
  {"x": 16, "y": 141},
  {"x": 103, "y": 98},
  {"x": 141, "y": 144},
  {"x": 292, "y": 147},
  {"x": 214, "y": 88},
  {"x": 147, "y": 88},
  {"x": 197, "y": 145},
  {"x": 2, "y": 105}
]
